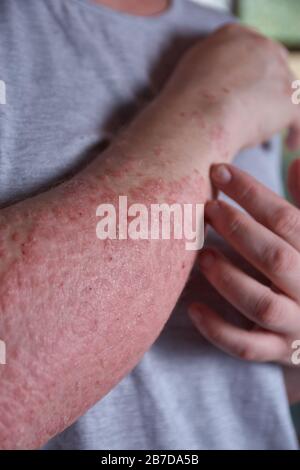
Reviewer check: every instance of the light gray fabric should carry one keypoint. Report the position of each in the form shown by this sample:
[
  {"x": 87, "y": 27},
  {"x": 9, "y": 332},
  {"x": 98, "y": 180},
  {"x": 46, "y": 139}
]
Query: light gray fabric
[{"x": 75, "y": 72}]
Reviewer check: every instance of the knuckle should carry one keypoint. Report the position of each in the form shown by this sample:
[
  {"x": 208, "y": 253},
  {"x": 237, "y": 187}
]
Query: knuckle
[
  {"x": 234, "y": 225},
  {"x": 247, "y": 353},
  {"x": 224, "y": 278},
  {"x": 215, "y": 335},
  {"x": 267, "y": 312},
  {"x": 286, "y": 221},
  {"x": 249, "y": 194},
  {"x": 277, "y": 260}
]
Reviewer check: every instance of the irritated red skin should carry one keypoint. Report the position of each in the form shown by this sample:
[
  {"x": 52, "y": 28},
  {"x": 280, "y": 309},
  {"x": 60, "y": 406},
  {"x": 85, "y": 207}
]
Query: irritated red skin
[
  {"x": 77, "y": 313},
  {"x": 73, "y": 307}
]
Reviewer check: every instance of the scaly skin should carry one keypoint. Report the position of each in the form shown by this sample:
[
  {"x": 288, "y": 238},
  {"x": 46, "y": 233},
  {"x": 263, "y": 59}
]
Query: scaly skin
[{"x": 77, "y": 313}]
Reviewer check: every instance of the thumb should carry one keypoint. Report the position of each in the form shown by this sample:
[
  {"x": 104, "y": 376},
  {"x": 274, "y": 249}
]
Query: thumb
[{"x": 294, "y": 180}]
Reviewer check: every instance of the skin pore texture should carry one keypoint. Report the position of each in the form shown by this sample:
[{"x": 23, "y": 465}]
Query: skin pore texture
[{"x": 83, "y": 309}]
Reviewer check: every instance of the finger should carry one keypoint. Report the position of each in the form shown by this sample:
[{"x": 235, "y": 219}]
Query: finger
[
  {"x": 255, "y": 346},
  {"x": 294, "y": 182},
  {"x": 257, "y": 302},
  {"x": 264, "y": 205},
  {"x": 268, "y": 253}
]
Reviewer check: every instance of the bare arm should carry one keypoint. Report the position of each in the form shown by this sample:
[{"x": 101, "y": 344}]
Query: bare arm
[{"x": 77, "y": 313}]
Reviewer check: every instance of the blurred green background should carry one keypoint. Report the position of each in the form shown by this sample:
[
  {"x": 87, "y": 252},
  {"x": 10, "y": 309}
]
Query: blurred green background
[{"x": 278, "y": 19}]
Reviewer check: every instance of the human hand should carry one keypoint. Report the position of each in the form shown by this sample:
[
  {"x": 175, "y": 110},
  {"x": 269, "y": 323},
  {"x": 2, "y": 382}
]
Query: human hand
[
  {"x": 269, "y": 239},
  {"x": 244, "y": 77}
]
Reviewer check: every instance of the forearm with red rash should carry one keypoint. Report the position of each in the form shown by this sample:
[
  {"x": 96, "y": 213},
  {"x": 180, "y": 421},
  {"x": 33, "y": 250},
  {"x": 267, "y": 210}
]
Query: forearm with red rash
[{"x": 77, "y": 313}]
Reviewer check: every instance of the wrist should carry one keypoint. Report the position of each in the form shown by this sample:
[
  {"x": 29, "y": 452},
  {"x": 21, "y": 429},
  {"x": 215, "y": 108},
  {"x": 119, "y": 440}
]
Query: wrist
[{"x": 209, "y": 120}]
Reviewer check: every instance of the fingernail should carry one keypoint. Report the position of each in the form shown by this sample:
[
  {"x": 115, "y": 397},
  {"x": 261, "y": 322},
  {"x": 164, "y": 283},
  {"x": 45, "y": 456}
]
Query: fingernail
[
  {"x": 212, "y": 208},
  {"x": 220, "y": 174},
  {"x": 206, "y": 259}
]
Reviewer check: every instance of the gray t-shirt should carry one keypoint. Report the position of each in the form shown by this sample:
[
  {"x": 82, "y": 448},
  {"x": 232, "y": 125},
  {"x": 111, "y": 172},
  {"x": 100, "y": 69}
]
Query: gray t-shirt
[{"x": 75, "y": 72}]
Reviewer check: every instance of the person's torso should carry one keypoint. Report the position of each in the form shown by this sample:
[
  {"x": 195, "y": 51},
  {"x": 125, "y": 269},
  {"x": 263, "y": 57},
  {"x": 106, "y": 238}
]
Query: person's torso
[{"x": 75, "y": 73}]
